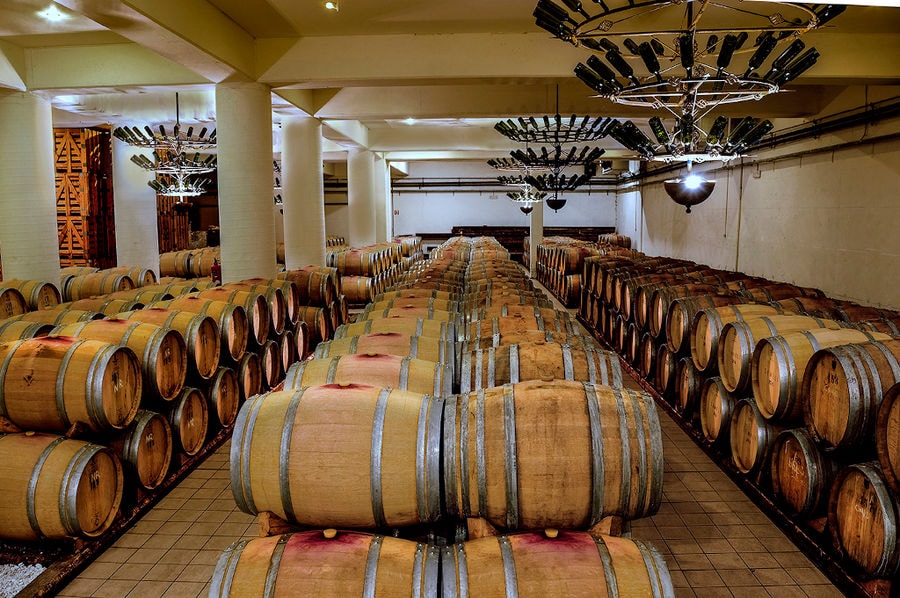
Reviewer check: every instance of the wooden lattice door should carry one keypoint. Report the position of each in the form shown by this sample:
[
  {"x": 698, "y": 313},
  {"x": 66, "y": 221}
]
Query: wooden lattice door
[{"x": 84, "y": 201}]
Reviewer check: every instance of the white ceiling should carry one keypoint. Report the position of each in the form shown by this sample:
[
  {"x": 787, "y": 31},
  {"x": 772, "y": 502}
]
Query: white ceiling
[{"x": 455, "y": 66}]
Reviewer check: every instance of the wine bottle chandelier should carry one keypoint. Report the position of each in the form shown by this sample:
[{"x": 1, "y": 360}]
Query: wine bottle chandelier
[
  {"x": 692, "y": 66},
  {"x": 177, "y": 159}
]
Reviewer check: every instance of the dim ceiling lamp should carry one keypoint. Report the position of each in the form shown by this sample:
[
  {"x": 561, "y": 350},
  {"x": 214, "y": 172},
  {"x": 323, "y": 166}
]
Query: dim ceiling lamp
[
  {"x": 691, "y": 60},
  {"x": 52, "y": 14},
  {"x": 332, "y": 5},
  {"x": 690, "y": 190},
  {"x": 177, "y": 158}
]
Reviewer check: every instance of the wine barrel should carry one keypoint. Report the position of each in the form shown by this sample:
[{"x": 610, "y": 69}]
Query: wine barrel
[
  {"x": 317, "y": 322},
  {"x": 844, "y": 386},
  {"x": 301, "y": 337},
  {"x": 516, "y": 363},
  {"x": 408, "y": 312},
  {"x": 145, "y": 447},
  {"x": 69, "y": 380},
  {"x": 283, "y": 458},
  {"x": 104, "y": 305},
  {"x": 666, "y": 368},
  {"x": 716, "y": 408},
  {"x": 250, "y": 375},
  {"x": 12, "y": 302},
  {"x": 567, "y": 563},
  {"x": 141, "y": 277},
  {"x": 287, "y": 346},
  {"x": 326, "y": 563},
  {"x": 142, "y": 296},
  {"x": 426, "y": 302},
  {"x": 664, "y": 295},
  {"x": 316, "y": 285},
  {"x": 161, "y": 351},
  {"x": 496, "y": 327},
  {"x": 681, "y": 313},
  {"x": 688, "y": 384},
  {"x": 565, "y": 470},
  {"x": 779, "y": 361},
  {"x": 646, "y": 360},
  {"x": 359, "y": 290},
  {"x": 59, "y": 316},
  {"x": 38, "y": 294},
  {"x": 175, "y": 263},
  {"x": 405, "y": 373},
  {"x": 13, "y": 330},
  {"x": 738, "y": 340},
  {"x": 802, "y": 474},
  {"x": 410, "y": 293},
  {"x": 887, "y": 436},
  {"x": 55, "y": 487},
  {"x": 410, "y": 326},
  {"x": 223, "y": 396},
  {"x": 863, "y": 517},
  {"x": 274, "y": 296},
  {"x": 706, "y": 327},
  {"x": 200, "y": 333},
  {"x": 391, "y": 343},
  {"x": 751, "y": 438},
  {"x": 189, "y": 420},
  {"x": 232, "y": 321},
  {"x": 98, "y": 283},
  {"x": 254, "y": 304},
  {"x": 270, "y": 363}
]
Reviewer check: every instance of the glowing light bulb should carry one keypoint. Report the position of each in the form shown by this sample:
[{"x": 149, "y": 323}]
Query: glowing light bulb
[
  {"x": 692, "y": 181},
  {"x": 332, "y": 6},
  {"x": 52, "y": 14}
]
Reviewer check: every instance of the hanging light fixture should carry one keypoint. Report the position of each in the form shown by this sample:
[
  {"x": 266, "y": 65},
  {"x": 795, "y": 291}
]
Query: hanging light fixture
[
  {"x": 177, "y": 158},
  {"x": 680, "y": 55},
  {"x": 689, "y": 190}
]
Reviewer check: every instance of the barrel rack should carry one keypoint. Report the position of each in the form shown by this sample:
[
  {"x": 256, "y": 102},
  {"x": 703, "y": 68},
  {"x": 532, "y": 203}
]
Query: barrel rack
[{"x": 808, "y": 542}]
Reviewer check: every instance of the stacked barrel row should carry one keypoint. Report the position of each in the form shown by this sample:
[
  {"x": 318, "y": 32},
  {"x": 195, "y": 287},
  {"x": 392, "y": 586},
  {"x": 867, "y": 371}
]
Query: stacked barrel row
[
  {"x": 188, "y": 263},
  {"x": 407, "y": 458},
  {"x": 560, "y": 261},
  {"x": 788, "y": 386},
  {"x": 615, "y": 239},
  {"x": 105, "y": 410},
  {"x": 322, "y": 302},
  {"x": 368, "y": 271}
]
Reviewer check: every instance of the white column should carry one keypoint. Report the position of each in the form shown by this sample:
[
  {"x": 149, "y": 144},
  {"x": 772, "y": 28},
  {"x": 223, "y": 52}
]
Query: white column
[
  {"x": 303, "y": 192},
  {"x": 361, "y": 197},
  {"x": 245, "y": 174},
  {"x": 388, "y": 202},
  {"x": 137, "y": 227},
  {"x": 381, "y": 198},
  {"x": 29, "y": 242},
  {"x": 536, "y": 234}
]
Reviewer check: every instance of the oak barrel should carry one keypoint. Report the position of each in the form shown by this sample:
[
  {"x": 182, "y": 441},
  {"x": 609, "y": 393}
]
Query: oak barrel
[
  {"x": 223, "y": 396},
  {"x": 484, "y": 368},
  {"x": 552, "y": 454},
  {"x": 802, "y": 474},
  {"x": 716, "y": 406},
  {"x": 38, "y": 294},
  {"x": 250, "y": 375},
  {"x": 327, "y": 563},
  {"x": 232, "y": 320},
  {"x": 410, "y": 326},
  {"x": 393, "y": 343},
  {"x": 13, "y": 330},
  {"x": 145, "y": 447},
  {"x": 48, "y": 384},
  {"x": 887, "y": 437},
  {"x": 161, "y": 351},
  {"x": 383, "y": 471},
  {"x": 405, "y": 373},
  {"x": 567, "y": 563},
  {"x": 751, "y": 437},
  {"x": 189, "y": 419},
  {"x": 707, "y": 326},
  {"x": 54, "y": 487}
]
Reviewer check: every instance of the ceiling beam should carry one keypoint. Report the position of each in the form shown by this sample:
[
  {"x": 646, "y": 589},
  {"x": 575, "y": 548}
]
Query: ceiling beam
[
  {"x": 192, "y": 33},
  {"x": 12, "y": 65}
]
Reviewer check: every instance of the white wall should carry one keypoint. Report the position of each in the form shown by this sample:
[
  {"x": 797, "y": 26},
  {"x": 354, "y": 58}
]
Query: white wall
[
  {"x": 433, "y": 211},
  {"x": 828, "y": 220}
]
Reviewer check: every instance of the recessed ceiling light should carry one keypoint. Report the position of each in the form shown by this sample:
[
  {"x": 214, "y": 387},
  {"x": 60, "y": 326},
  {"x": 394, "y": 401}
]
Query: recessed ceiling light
[
  {"x": 52, "y": 14},
  {"x": 332, "y": 5}
]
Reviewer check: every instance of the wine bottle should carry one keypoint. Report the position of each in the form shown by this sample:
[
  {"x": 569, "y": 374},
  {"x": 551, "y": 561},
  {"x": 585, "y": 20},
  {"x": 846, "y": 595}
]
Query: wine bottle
[
  {"x": 604, "y": 72},
  {"x": 755, "y": 134},
  {"x": 766, "y": 45},
  {"x": 686, "y": 49},
  {"x": 592, "y": 44},
  {"x": 739, "y": 132},
  {"x": 659, "y": 131},
  {"x": 784, "y": 58},
  {"x": 621, "y": 65},
  {"x": 686, "y": 128},
  {"x": 711, "y": 44},
  {"x": 632, "y": 47},
  {"x": 798, "y": 67},
  {"x": 717, "y": 131},
  {"x": 552, "y": 12},
  {"x": 657, "y": 47},
  {"x": 650, "y": 59},
  {"x": 609, "y": 45},
  {"x": 575, "y": 5},
  {"x": 828, "y": 12}
]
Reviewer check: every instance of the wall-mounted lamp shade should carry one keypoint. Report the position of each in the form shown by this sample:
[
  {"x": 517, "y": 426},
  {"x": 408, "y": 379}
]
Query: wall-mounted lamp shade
[{"x": 689, "y": 191}]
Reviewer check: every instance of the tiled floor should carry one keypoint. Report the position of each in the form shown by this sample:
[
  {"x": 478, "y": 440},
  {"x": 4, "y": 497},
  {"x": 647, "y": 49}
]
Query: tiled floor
[{"x": 715, "y": 541}]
